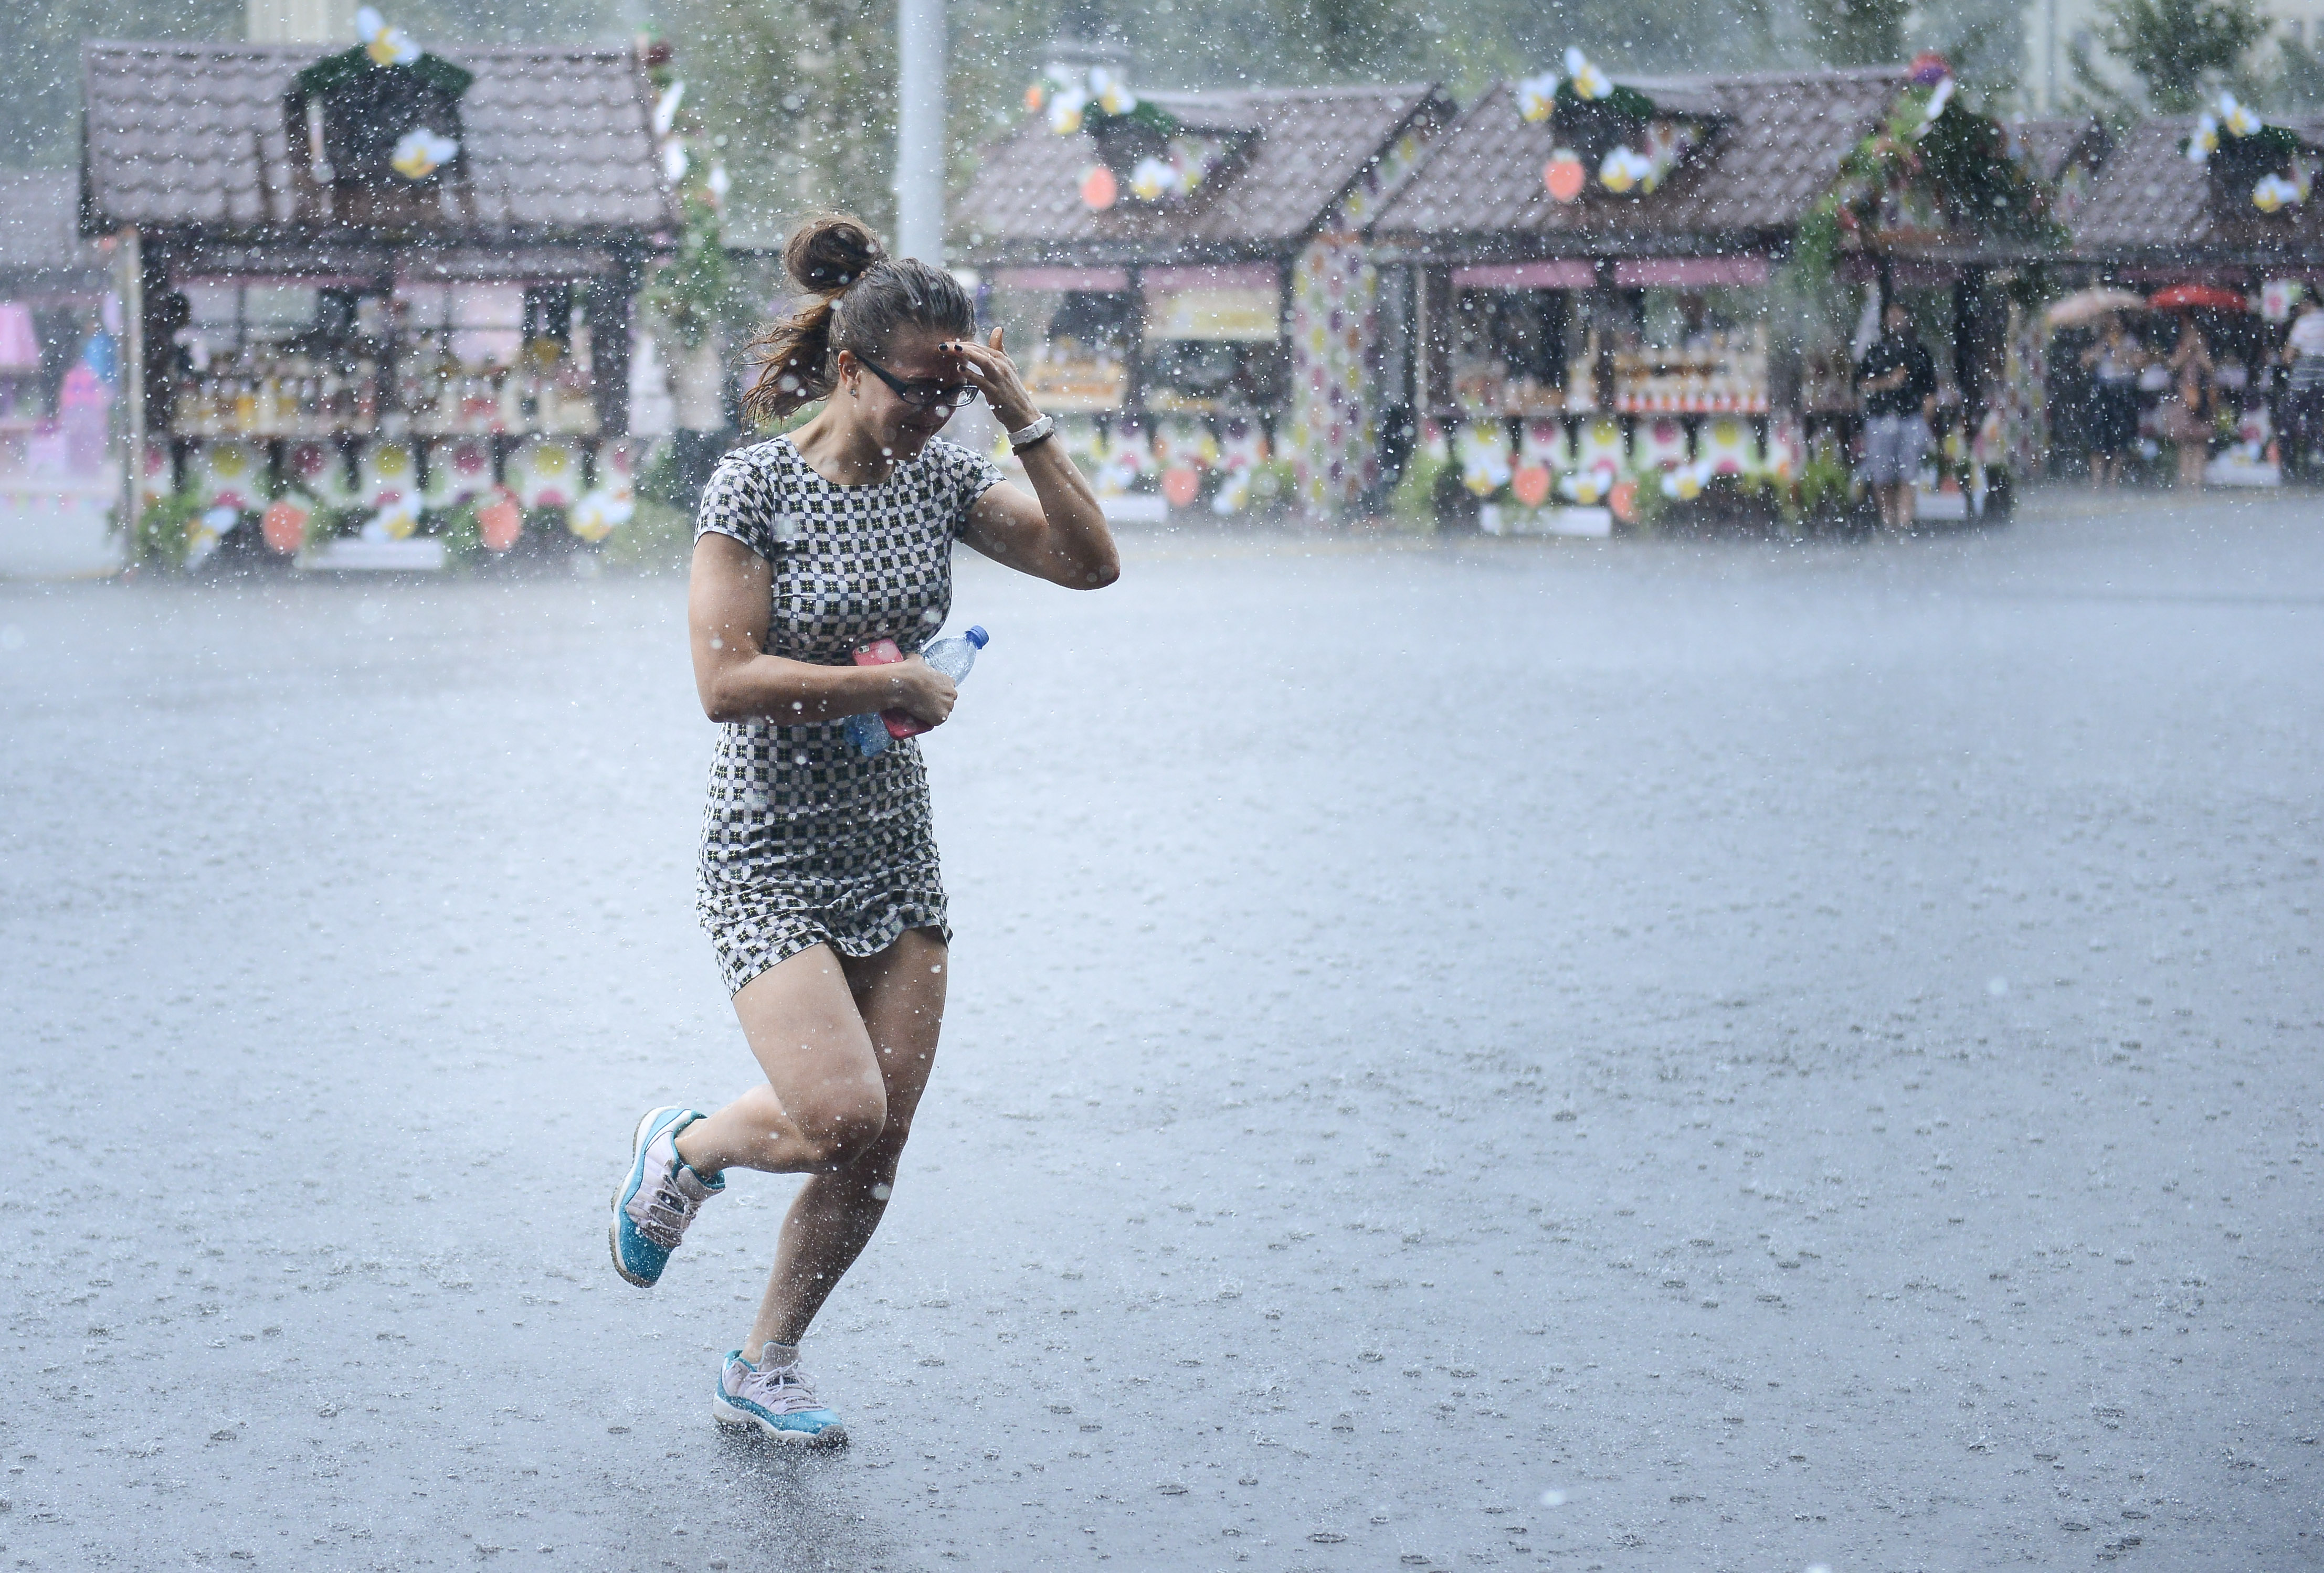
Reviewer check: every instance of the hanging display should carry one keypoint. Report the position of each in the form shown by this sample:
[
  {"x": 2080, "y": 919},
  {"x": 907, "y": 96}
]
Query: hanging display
[
  {"x": 1618, "y": 130},
  {"x": 2268, "y": 163}
]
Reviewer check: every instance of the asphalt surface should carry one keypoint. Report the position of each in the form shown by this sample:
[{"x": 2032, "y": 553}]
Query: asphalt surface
[{"x": 1618, "y": 1056}]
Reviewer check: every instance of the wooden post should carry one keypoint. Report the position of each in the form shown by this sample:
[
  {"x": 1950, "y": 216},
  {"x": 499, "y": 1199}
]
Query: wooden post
[
  {"x": 611, "y": 298},
  {"x": 129, "y": 259}
]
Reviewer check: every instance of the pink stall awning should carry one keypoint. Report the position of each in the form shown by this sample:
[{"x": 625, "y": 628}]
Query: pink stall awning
[
  {"x": 1068, "y": 279},
  {"x": 1564, "y": 273},
  {"x": 1688, "y": 272},
  {"x": 1211, "y": 276}
]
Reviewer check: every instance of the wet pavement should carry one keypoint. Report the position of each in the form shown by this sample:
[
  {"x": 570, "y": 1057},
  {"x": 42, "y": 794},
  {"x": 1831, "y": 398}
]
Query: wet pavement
[{"x": 1624, "y": 1056}]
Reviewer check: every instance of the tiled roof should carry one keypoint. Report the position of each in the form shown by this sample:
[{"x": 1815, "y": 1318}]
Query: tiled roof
[
  {"x": 1025, "y": 204},
  {"x": 2049, "y": 146},
  {"x": 1778, "y": 150},
  {"x": 2152, "y": 200},
  {"x": 39, "y": 225},
  {"x": 556, "y": 140}
]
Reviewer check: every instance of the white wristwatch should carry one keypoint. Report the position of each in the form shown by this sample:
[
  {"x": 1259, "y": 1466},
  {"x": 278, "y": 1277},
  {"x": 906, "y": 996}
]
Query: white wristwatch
[{"x": 1045, "y": 427}]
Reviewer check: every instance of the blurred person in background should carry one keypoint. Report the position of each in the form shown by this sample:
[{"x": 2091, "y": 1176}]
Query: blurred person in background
[
  {"x": 2113, "y": 363},
  {"x": 2302, "y": 424},
  {"x": 1897, "y": 382},
  {"x": 2189, "y": 417},
  {"x": 818, "y": 879}
]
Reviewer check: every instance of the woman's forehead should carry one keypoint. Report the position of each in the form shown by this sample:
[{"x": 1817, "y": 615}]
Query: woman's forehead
[{"x": 918, "y": 351}]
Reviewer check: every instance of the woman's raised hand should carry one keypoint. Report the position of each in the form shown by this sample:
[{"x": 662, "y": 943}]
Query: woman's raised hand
[{"x": 993, "y": 375}]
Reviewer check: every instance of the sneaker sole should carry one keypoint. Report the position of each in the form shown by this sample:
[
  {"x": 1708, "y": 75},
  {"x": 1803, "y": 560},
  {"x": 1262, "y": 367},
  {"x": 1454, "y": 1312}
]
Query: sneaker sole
[
  {"x": 730, "y": 1419},
  {"x": 613, "y": 1226}
]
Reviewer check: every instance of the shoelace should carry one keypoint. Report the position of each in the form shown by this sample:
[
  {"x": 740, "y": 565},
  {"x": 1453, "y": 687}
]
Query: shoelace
[
  {"x": 784, "y": 1389},
  {"x": 667, "y": 1212}
]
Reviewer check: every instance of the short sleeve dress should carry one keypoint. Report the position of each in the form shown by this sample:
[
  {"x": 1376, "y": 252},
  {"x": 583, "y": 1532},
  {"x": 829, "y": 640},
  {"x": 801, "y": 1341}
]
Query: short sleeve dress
[{"x": 804, "y": 840}]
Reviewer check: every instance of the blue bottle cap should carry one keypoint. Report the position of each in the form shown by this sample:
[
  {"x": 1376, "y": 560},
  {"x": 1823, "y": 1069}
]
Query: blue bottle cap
[{"x": 979, "y": 638}]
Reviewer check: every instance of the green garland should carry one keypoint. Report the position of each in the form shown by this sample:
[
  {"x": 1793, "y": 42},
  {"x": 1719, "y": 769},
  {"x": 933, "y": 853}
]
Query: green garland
[
  {"x": 333, "y": 71},
  {"x": 1961, "y": 164}
]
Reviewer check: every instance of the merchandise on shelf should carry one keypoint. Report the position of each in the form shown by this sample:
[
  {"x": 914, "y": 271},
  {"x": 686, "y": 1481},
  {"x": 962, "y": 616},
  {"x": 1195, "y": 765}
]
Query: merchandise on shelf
[
  {"x": 1725, "y": 374},
  {"x": 1064, "y": 376}
]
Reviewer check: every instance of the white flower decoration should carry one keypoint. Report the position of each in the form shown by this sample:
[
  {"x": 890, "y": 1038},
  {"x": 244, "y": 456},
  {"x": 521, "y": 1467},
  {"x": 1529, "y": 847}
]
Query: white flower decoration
[
  {"x": 1111, "y": 92},
  {"x": 1150, "y": 179},
  {"x": 2238, "y": 120},
  {"x": 1686, "y": 483},
  {"x": 394, "y": 522},
  {"x": 1065, "y": 111},
  {"x": 1588, "y": 81},
  {"x": 1625, "y": 167},
  {"x": 1588, "y": 487},
  {"x": 1537, "y": 96},
  {"x": 421, "y": 152},
  {"x": 387, "y": 46},
  {"x": 2272, "y": 193},
  {"x": 598, "y": 514},
  {"x": 2206, "y": 140}
]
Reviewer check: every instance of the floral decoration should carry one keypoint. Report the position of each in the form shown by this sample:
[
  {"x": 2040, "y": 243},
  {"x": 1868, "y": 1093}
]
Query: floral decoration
[
  {"x": 284, "y": 525},
  {"x": 1635, "y": 145},
  {"x": 419, "y": 153},
  {"x": 386, "y": 45},
  {"x": 2247, "y": 148},
  {"x": 231, "y": 475},
  {"x": 396, "y": 521},
  {"x": 598, "y": 514},
  {"x": 1333, "y": 440},
  {"x": 1935, "y": 164},
  {"x": 546, "y": 474}
]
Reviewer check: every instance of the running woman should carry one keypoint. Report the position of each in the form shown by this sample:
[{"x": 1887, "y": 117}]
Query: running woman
[{"x": 818, "y": 881}]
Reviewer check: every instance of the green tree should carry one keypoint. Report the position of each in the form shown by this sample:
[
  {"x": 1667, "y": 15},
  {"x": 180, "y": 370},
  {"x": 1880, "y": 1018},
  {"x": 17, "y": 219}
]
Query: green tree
[
  {"x": 1346, "y": 39},
  {"x": 2298, "y": 80},
  {"x": 1857, "y": 32},
  {"x": 40, "y": 61},
  {"x": 2180, "y": 49}
]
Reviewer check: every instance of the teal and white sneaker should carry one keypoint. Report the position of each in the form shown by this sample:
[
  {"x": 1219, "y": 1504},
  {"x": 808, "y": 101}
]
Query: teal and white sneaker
[
  {"x": 659, "y": 1198},
  {"x": 779, "y": 1400}
]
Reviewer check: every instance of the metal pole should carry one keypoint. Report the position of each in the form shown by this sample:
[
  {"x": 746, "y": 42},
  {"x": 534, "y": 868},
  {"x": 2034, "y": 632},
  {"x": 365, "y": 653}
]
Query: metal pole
[
  {"x": 130, "y": 258},
  {"x": 920, "y": 130}
]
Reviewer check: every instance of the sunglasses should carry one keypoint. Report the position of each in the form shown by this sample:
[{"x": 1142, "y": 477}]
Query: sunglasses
[{"x": 922, "y": 395}]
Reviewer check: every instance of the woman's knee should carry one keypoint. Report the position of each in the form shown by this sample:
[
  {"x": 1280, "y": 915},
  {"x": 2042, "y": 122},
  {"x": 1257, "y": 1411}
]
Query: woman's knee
[{"x": 839, "y": 1131}]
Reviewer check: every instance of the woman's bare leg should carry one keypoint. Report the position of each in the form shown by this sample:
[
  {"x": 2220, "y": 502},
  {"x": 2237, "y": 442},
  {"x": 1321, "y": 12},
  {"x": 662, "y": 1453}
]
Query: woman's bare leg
[
  {"x": 813, "y": 1115},
  {"x": 824, "y": 1101},
  {"x": 900, "y": 992}
]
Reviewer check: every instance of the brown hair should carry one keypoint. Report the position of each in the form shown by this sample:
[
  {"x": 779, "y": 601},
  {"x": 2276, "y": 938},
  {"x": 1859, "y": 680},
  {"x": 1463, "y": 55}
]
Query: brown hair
[{"x": 862, "y": 298}]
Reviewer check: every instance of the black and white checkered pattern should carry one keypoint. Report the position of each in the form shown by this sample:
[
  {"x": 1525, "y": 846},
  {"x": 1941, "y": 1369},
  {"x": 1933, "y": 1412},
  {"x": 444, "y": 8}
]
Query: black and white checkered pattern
[{"x": 805, "y": 842}]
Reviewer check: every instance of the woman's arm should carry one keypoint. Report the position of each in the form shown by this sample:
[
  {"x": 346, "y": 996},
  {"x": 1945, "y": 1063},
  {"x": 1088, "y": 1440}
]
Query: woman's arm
[
  {"x": 1058, "y": 533},
  {"x": 726, "y": 609}
]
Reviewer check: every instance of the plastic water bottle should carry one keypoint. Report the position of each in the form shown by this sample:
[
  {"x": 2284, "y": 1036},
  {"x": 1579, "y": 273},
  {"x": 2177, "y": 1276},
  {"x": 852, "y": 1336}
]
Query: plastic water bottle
[{"x": 954, "y": 657}]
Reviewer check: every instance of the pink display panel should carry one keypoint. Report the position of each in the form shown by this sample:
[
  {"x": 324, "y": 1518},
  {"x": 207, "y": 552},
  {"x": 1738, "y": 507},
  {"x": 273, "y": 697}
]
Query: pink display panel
[
  {"x": 1688, "y": 272},
  {"x": 1564, "y": 273}
]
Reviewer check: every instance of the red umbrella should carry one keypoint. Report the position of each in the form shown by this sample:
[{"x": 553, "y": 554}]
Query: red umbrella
[{"x": 2184, "y": 296}]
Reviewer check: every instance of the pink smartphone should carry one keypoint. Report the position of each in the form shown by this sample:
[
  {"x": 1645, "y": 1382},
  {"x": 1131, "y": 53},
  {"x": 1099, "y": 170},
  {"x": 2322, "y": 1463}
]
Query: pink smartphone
[{"x": 884, "y": 653}]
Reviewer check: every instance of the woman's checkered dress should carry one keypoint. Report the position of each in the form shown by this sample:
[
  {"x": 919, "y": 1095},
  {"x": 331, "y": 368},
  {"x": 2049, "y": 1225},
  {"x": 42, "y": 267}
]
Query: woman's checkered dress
[{"x": 804, "y": 840}]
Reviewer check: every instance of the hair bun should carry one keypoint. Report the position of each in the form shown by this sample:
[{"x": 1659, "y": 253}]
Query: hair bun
[{"x": 829, "y": 253}]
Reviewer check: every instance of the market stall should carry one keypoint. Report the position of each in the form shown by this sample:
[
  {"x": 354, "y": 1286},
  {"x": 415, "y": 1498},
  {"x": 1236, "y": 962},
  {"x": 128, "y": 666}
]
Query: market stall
[
  {"x": 2209, "y": 220},
  {"x": 1598, "y": 264},
  {"x": 59, "y": 373},
  {"x": 1183, "y": 278},
  {"x": 380, "y": 298}
]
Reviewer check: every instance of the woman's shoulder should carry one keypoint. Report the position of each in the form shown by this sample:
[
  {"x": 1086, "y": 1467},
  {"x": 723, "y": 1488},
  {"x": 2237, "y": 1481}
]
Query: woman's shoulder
[
  {"x": 743, "y": 493},
  {"x": 776, "y": 456},
  {"x": 947, "y": 457}
]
